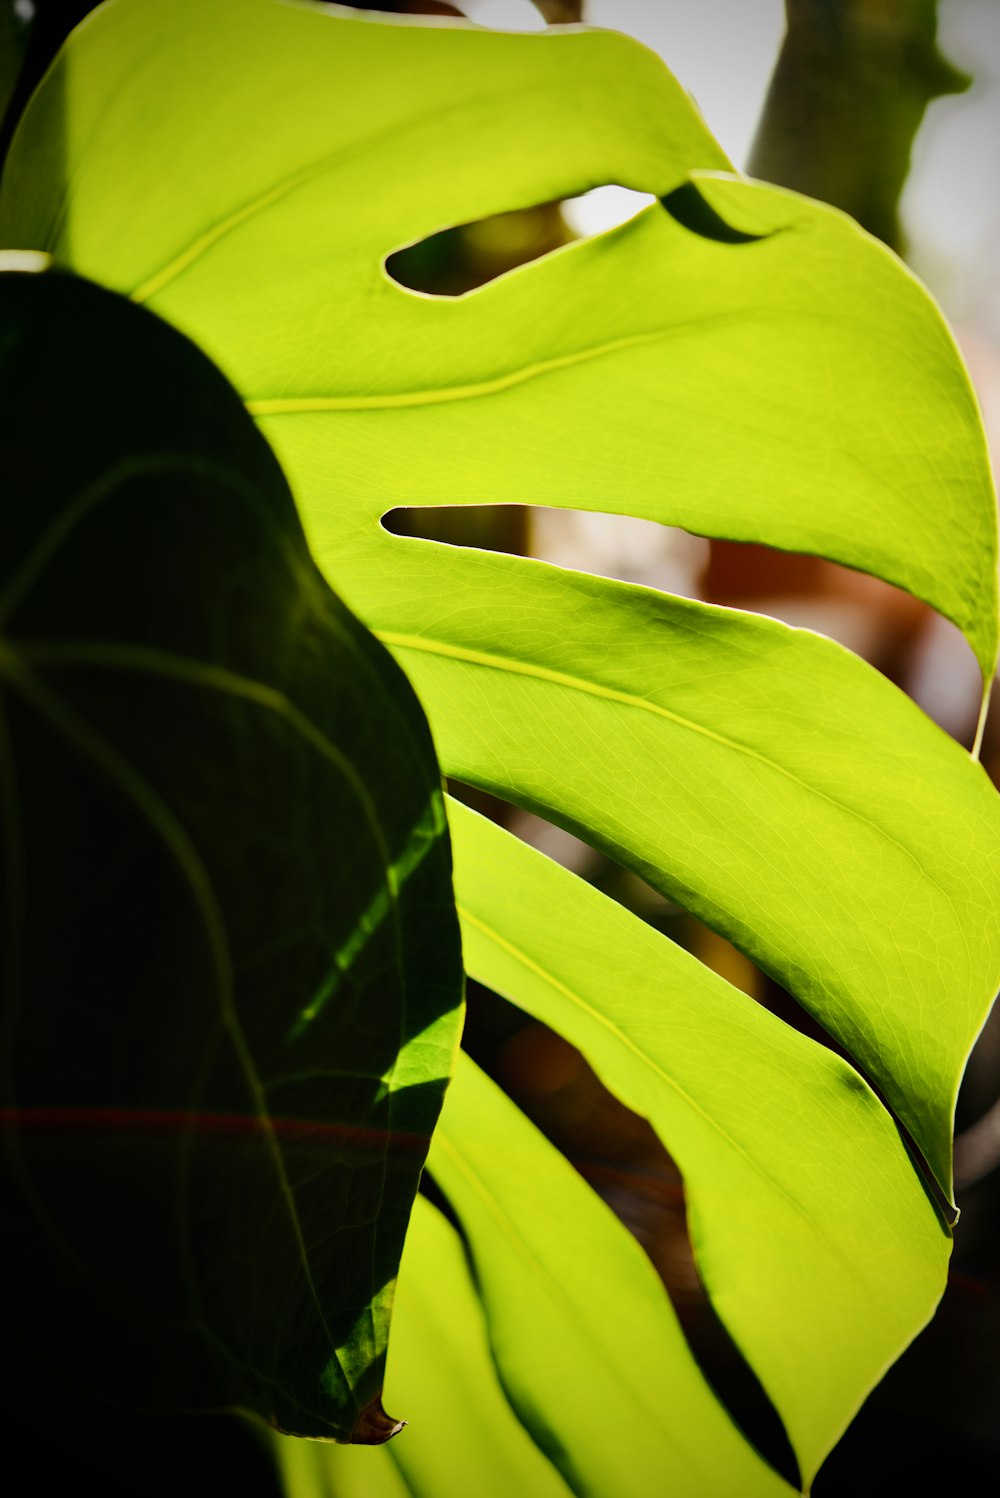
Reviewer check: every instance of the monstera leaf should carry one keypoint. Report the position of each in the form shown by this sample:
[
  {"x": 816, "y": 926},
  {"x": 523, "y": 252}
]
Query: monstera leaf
[
  {"x": 736, "y": 360},
  {"x": 232, "y": 979}
]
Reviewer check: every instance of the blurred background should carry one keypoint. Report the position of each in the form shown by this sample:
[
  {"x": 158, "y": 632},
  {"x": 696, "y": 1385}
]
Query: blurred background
[{"x": 889, "y": 109}]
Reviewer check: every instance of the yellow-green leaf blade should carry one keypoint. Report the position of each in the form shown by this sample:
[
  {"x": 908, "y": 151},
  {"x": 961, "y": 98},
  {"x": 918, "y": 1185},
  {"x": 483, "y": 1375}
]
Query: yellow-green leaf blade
[
  {"x": 762, "y": 776},
  {"x": 619, "y": 361},
  {"x": 815, "y": 1240},
  {"x": 585, "y": 1339},
  {"x": 164, "y": 212},
  {"x": 801, "y": 389}
]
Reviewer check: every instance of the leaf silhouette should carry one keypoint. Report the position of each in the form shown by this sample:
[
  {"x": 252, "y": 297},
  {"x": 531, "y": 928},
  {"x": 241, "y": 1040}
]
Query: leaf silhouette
[{"x": 233, "y": 985}]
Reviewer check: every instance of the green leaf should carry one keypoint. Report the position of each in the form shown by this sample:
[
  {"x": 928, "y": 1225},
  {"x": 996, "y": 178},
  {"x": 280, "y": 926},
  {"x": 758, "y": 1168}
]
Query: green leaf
[
  {"x": 800, "y": 389},
  {"x": 308, "y": 1470},
  {"x": 736, "y": 360},
  {"x": 800, "y": 380},
  {"x": 761, "y": 776},
  {"x": 794, "y": 1174},
  {"x": 807, "y": 382},
  {"x": 232, "y": 981},
  {"x": 246, "y": 215},
  {"x": 462, "y": 1436},
  {"x": 585, "y": 1339}
]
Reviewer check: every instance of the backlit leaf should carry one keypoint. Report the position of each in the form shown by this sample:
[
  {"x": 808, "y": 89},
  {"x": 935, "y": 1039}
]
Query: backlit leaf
[
  {"x": 258, "y": 217},
  {"x": 794, "y": 1174},
  {"x": 736, "y": 360},
  {"x": 761, "y": 776},
  {"x": 585, "y": 1339},
  {"x": 790, "y": 381}
]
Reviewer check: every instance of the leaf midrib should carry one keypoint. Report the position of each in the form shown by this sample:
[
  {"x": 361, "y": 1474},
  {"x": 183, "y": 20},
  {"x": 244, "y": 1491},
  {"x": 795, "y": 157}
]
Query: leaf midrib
[
  {"x": 396, "y": 400},
  {"x": 650, "y": 1064},
  {"x": 531, "y": 669},
  {"x": 285, "y": 186}
]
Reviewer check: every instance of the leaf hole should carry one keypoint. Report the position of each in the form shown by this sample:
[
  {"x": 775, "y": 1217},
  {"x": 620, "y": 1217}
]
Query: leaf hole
[
  {"x": 463, "y": 258},
  {"x": 903, "y": 638},
  {"x": 621, "y": 1157},
  {"x": 713, "y": 950},
  {"x": 624, "y": 547}
]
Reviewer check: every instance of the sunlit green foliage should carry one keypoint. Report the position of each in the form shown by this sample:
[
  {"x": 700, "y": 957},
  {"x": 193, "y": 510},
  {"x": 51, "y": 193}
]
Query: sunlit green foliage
[{"x": 736, "y": 360}]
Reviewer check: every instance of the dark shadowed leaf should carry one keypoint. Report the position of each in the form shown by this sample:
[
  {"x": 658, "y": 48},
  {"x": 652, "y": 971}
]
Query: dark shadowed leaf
[{"x": 232, "y": 977}]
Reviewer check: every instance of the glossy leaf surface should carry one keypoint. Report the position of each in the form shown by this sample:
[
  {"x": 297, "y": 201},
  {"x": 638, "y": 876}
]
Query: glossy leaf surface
[
  {"x": 232, "y": 981},
  {"x": 794, "y": 1174}
]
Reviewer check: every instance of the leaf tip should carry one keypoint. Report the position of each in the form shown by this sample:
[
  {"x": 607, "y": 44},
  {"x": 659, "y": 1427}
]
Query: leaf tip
[{"x": 374, "y": 1427}]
